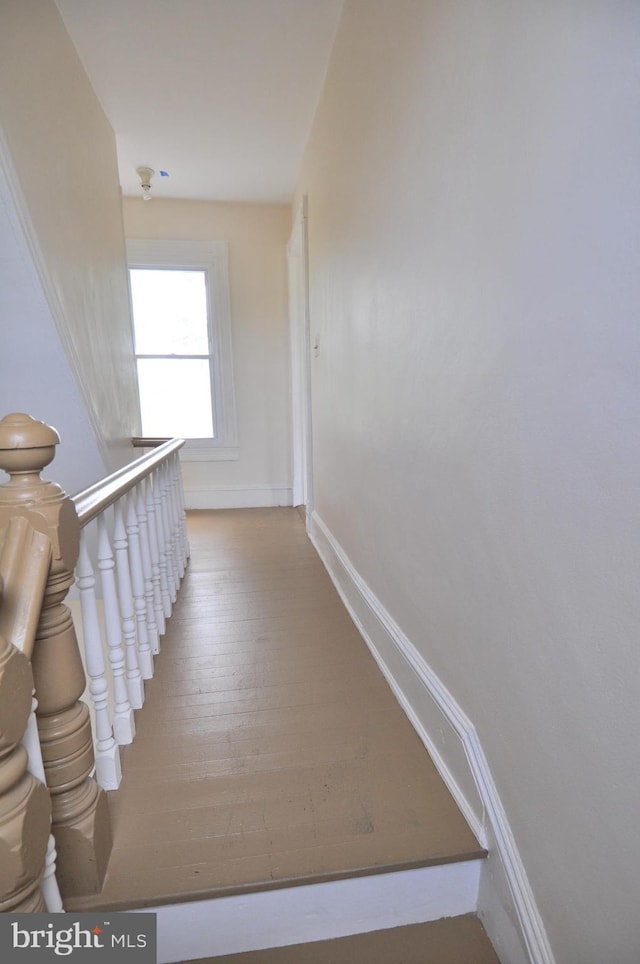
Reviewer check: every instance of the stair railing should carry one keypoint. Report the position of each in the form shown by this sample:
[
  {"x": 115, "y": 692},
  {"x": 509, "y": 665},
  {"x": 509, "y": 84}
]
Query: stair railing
[
  {"x": 79, "y": 815},
  {"x": 141, "y": 551}
]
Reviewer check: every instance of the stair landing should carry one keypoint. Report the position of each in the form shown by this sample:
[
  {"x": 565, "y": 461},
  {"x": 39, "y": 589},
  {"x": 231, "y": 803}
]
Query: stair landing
[{"x": 270, "y": 750}]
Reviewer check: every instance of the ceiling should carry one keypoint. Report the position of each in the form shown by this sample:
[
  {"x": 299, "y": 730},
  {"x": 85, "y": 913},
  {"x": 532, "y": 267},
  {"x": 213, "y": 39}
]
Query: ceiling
[{"x": 218, "y": 93}]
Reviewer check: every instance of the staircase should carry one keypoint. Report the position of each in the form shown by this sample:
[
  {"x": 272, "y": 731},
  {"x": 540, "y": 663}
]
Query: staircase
[
  {"x": 275, "y": 793},
  {"x": 256, "y": 784}
]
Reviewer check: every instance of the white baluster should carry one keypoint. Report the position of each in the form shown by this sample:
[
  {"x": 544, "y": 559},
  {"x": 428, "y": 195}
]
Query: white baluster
[
  {"x": 172, "y": 525},
  {"x": 135, "y": 684},
  {"x": 152, "y": 527},
  {"x": 154, "y": 482},
  {"x": 49, "y": 884},
  {"x": 168, "y": 533},
  {"x": 183, "y": 514},
  {"x": 123, "y": 722},
  {"x": 154, "y": 604},
  {"x": 107, "y": 754},
  {"x": 176, "y": 515},
  {"x": 145, "y": 659}
]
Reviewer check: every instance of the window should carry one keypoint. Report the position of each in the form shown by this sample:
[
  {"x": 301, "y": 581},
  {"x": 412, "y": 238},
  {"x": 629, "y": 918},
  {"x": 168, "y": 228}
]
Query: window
[
  {"x": 182, "y": 334},
  {"x": 170, "y": 322}
]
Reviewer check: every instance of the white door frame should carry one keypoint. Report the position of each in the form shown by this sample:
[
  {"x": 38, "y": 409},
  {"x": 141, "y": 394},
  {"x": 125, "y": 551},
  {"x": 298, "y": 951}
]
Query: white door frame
[{"x": 302, "y": 447}]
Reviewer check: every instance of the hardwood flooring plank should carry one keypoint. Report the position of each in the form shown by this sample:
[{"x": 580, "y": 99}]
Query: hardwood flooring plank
[
  {"x": 456, "y": 940},
  {"x": 207, "y": 760}
]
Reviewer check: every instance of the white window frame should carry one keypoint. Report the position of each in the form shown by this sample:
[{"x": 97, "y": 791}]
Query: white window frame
[{"x": 212, "y": 257}]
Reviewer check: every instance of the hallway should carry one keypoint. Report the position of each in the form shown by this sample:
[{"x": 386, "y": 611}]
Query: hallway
[{"x": 270, "y": 750}]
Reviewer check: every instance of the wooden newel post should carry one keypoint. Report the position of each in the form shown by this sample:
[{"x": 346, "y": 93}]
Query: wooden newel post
[
  {"x": 24, "y": 802},
  {"x": 80, "y": 823}
]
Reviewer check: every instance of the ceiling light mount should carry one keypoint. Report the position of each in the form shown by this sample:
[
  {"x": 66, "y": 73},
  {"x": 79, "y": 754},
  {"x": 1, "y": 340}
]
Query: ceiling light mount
[{"x": 145, "y": 174}]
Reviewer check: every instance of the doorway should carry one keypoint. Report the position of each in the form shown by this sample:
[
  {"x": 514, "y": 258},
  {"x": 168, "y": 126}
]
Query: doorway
[{"x": 302, "y": 447}]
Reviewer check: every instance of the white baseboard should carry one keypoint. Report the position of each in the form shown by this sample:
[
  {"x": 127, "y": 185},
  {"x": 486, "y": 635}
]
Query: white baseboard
[
  {"x": 237, "y": 496},
  {"x": 453, "y": 744},
  {"x": 314, "y": 912}
]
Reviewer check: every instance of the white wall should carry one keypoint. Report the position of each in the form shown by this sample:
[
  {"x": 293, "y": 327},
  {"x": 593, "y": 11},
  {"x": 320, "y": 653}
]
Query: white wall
[
  {"x": 473, "y": 189},
  {"x": 257, "y": 236},
  {"x": 43, "y": 385},
  {"x": 58, "y": 152}
]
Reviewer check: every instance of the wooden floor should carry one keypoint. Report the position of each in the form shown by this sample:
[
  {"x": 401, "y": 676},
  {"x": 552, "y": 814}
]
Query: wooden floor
[
  {"x": 270, "y": 749},
  {"x": 459, "y": 940}
]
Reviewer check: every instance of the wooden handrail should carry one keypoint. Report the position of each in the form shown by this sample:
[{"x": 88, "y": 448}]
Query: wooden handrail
[
  {"x": 147, "y": 442},
  {"x": 92, "y": 501}
]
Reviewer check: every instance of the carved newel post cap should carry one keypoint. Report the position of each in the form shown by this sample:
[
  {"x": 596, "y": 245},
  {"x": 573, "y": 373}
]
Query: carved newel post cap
[{"x": 26, "y": 445}]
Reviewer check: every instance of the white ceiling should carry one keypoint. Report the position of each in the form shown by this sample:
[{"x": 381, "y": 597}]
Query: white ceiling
[{"x": 219, "y": 93}]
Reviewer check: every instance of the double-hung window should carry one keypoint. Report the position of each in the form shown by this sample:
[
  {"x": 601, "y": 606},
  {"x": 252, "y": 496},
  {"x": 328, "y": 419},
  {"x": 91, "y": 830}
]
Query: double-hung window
[{"x": 182, "y": 335}]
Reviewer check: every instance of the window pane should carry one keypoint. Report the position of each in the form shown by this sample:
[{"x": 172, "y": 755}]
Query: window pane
[
  {"x": 175, "y": 397},
  {"x": 169, "y": 312}
]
